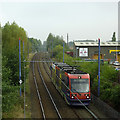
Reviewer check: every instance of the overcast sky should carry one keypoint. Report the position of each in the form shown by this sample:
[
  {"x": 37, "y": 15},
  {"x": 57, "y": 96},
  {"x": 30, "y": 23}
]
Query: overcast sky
[{"x": 81, "y": 20}]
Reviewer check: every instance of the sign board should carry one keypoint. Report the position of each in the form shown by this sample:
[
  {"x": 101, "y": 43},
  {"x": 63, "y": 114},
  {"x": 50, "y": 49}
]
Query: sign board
[
  {"x": 83, "y": 52},
  {"x": 20, "y": 81}
]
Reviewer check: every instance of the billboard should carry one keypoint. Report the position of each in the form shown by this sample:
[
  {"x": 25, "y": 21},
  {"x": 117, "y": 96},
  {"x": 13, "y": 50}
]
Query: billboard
[{"x": 83, "y": 52}]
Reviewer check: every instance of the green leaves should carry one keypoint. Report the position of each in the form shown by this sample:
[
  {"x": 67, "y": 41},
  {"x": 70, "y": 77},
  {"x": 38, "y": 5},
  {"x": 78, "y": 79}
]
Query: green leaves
[
  {"x": 10, "y": 96},
  {"x": 53, "y": 41},
  {"x": 113, "y": 38},
  {"x": 35, "y": 45},
  {"x": 109, "y": 73},
  {"x": 10, "y": 64}
]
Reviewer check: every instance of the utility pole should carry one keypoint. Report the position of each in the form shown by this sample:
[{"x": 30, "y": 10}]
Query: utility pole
[
  {"x": 99, "y": 68},
  {"x": 28, "y": 50},
  {"x": 20, "y": 81},
  {"x": 67, "y": 38},
  {"x": 116, "y": 53},
  {"x": 52, "y": 48},
  {"x": 24, "y": 77},
  {"x": 63, "y": 51}
]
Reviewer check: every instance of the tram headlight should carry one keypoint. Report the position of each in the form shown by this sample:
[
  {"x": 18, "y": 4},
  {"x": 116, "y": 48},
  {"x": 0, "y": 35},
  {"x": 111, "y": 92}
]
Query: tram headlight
[
  {"x": 87, "y": 96},
  {"x": 72, "y": 97}
]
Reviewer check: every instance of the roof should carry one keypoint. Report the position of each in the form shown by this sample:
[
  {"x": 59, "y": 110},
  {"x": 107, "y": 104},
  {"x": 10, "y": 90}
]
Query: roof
[
  {"x": 77, "y": 43},
  {"x": 69, "y": 69}
]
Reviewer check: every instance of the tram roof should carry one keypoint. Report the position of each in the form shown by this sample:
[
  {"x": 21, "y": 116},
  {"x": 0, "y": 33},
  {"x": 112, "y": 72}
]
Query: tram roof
[{"x": 69, "y": 69}]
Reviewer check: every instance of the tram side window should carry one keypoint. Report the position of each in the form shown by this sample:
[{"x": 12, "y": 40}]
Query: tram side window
[
  {"x": 57, "y": 72},
  {"x": 65, "y": 78},
  {"x": 67, "y": 81}
]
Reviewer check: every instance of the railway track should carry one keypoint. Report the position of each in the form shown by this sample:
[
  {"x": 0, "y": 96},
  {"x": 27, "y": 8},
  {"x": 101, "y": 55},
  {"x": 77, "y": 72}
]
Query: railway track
[
  {"x": 46, "y": 101},
  {"x": 46, "y": 93},
  {"x": 93, "y": 116}
]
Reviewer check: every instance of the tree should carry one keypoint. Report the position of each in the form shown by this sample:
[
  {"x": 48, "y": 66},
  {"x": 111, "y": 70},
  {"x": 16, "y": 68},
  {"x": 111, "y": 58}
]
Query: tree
[
  {"x": 10, "y": 51},
  {"x": 35, "y": 45},
  {"x": 53, "y": 41},
  {"x": 113, "y": 38}
]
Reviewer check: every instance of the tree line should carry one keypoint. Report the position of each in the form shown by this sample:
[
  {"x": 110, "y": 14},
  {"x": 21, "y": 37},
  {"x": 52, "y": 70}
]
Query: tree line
[
  {"x": 11, "y": 33},
  {"x": 55, "y": 43}
]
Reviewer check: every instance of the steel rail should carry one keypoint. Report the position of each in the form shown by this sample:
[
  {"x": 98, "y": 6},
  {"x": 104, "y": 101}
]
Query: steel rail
[
  {"x": 38, "y": 61},
  {"x": 76, "y": 98},
  {"x": 58, "y": 113},
  {"x": 50, "y": 78},
  {"x": 40, "y": 101}
]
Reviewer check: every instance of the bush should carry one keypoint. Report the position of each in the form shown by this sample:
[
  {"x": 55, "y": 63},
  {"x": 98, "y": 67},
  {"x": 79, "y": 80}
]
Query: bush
[
  {"x": 115, "y": 96},
  {"x": 109, "y": 73},
  {"x": 10, "y": 97},
  {"x": 105, "y": 94},
  {"x": 94, "y": 87}
]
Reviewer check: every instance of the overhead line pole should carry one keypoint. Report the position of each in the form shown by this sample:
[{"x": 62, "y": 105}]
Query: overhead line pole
[
  {"x": 63, "y": 51},
  {"x": 52, "y": 48},
  {"x": 116, "y": 53},
  {"x": 99, "y": 68},
  {"x": 67, "y": 38},
  {"x": 24, "y": 77},
  {"x": 20, "y": 66}
]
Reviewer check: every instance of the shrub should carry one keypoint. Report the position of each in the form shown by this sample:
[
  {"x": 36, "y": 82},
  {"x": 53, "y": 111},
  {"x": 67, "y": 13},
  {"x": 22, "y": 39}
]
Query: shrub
[
  {"x": 10, "y": 96},
  {"x": 109, "y": 73},
  {"x": 115, "y": 96}
]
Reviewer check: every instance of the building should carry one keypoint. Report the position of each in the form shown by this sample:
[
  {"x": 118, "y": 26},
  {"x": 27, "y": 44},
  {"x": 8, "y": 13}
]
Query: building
[
  {"x": 119, "y": 21},
  {"x": 89, "y": 50}
]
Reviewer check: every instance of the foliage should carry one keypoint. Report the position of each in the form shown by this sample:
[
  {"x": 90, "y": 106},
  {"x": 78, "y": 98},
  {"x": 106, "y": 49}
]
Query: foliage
[
  {"x": 35, "y": 45},
  {"x": 115, "y": 96},
  {"x": 58, "y": 54},
  {"x": 109, "y": 73},
  {"x": 53, "y": 41},
  {"x": 44, "y": 46},
  {"x": 113, "y": 38},
  {"x": 10, "y": 37},
  {"x": 56, "y": 49},
  {"x": 109, "y": 89},
  {"x": 10, "y": 96},
  {"x": 10, "y": 63},
  {"x": 70, "y": 45}
]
